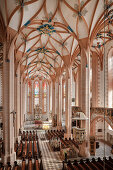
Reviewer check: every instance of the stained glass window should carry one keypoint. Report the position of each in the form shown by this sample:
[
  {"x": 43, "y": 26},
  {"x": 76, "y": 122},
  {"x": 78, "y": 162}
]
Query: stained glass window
[
  {"x": 36, "y": 89},
  {"x": 36, "y": 102},
  {"x": 45, "y": 88}
]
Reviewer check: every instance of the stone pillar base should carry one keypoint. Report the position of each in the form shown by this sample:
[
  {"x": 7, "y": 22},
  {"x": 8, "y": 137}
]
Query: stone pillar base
[
  {"x": 59, "y": 127},
  {"x": 67, "y": 135},
  {"x": 84, "y": 149},
  {"x": 10, "y": 158}
]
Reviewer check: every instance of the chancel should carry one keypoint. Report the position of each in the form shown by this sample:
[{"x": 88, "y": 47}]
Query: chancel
[{"x": 56, "y": 84}]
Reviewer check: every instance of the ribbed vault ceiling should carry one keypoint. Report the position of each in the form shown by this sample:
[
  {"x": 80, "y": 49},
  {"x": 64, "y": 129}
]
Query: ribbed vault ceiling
[{"x": 48, "y": 32}]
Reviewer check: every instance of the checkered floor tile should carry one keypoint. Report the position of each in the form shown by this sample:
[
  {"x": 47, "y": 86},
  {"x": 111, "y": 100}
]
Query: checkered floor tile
[{"x": 51, "y": 160}]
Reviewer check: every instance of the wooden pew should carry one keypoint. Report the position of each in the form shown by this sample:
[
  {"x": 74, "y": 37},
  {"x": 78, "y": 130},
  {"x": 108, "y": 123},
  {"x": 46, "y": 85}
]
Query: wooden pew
[
  {"x": 24, "y": 154},
  {"x": 23, "y": 164},
  {"x": 104, "y": 164},
  {"x": 30, "y": 166},
  {"x": 37, "y": 166},
  {"x": 8, "y": 166},
  {"x": 75, "y": 164},
  {"x": 70, "y": 166},
  {"x": 91, "y": 164},
  {"x": 30, "y": 150},
  {"x": 16, "y": 167},
  {"x": 84, "y": 165},
  {"x": 96, "y": 164},
  {"x": 35, "y": 148},
  {"x": 1, "y": 166},
  {"x": 108, "y": 162},
  {"x": 19, "y": 152},
  {"x": 16, "y": 146}
]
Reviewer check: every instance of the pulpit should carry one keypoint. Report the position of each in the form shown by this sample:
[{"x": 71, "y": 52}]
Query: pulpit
[{"x": 79, "y": 134}]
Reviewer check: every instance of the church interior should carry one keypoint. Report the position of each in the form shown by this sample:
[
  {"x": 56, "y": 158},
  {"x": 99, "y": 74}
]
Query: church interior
[{"x": 56, "y": 84}]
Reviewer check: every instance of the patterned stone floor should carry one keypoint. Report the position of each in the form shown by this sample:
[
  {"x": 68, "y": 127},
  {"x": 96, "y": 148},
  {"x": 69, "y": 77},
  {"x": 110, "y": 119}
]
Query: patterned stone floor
[
  {"x": 51, "y": 160},
  {"x": 100, "y": 150}
]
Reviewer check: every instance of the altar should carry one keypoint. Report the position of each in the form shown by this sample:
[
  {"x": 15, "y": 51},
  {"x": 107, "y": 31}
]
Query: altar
[{"x": 39, "y": 121}]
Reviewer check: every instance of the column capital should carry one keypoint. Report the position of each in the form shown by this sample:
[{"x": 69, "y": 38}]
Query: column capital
[
  {"x": 53, "y": 78},
  {"x": 84, "y": 43},
  {"x": 58, "y": 71}
]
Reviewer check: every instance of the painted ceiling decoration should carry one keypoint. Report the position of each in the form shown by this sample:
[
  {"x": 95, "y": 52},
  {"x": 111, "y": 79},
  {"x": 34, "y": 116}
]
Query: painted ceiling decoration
[
  {"x": 79, "y": 13},
  {"x": 47, "y": 31}
]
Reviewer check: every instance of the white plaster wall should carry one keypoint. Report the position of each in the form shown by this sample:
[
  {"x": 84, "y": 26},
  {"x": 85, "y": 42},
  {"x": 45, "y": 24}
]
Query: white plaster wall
[
  {"x": 100, "y": 125},
  {"x": 103, "y": 78}
]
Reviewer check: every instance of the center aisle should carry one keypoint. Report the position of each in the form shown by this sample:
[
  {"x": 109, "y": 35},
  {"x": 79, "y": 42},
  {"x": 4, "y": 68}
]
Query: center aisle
[{"x": 51, "y": 160}]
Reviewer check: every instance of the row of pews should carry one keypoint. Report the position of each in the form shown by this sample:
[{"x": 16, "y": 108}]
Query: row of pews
[
  {"x": 54, "y": 133},
  {"x": 28, "y": 146},
  {"x": 87, "y": 164},
  {"x": 28, "y": 149},
  {"x": 31, "y": 165},
  {"x": 29, "y": 136},
  {"x": 68, "y": 148},
  {"x": 60, "y": 134}
]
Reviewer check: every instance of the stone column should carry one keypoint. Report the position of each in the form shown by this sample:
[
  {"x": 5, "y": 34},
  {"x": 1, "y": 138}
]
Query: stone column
[
  {"x": 79, "y": 85},
  {"x": 8, "y": 104},
  {"x": 76, "y": 91},
  {"x": 85, "y": 79},
  {"x": 40, "y": 93},
  {"x": 62, "y": 95},
  {"x": 94, "y": 79},
  {"x": 57, "y": 100},
  {"x": 50, "y": 97},
  {"x": 68, "y": 111},
  {"x": 49, "y": 83},
  {"x": 59, "y": 114},
  {"x": 18, "y": 123},
  {"x": 21, "y": 102},
  {"x": 47, "y": 100},
  {"x": 24, "y": 101},
  {"x": 85, "y": 89},
  {"x": 53, "y": 101},
  {"x": 15, "y": 104},
  {"x": 32, "y": 97}
]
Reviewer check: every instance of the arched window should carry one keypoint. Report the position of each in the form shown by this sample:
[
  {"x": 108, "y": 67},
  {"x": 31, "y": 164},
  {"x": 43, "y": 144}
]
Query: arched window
[
  {"x": 36, "y": 97},
  {"x": 44, "y": 96}
]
